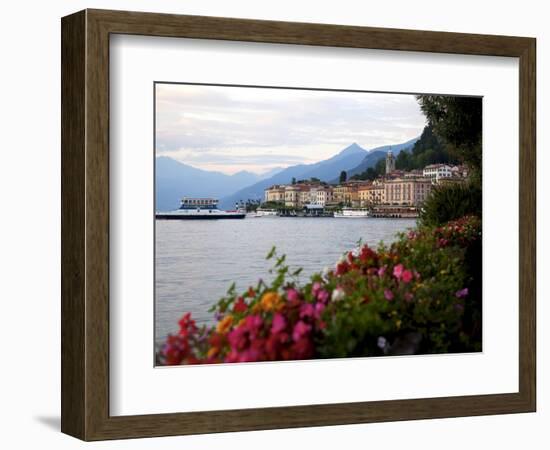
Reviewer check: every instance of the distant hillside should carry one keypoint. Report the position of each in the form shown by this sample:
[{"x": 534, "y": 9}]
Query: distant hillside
[
  {"x": 324, "y": 170},
  {"x": 427, "y": 150},
  {"x": 174, "y": 180}
]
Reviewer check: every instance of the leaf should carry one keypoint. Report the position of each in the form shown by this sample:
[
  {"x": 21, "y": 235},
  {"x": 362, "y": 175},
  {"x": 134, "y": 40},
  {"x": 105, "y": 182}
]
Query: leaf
[{"x": 271, "y": 253}]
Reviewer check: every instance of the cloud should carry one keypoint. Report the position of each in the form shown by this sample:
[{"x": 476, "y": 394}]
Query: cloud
[{"x": 257, "y": 128}]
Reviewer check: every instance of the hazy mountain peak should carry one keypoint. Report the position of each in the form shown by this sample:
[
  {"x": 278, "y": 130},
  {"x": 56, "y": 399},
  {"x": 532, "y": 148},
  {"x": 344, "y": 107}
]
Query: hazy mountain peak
[{"x": 353, "y": 148}]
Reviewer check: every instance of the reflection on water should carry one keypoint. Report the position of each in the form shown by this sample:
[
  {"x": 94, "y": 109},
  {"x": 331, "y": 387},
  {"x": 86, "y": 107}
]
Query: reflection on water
[{"x": 196, "y": 261}]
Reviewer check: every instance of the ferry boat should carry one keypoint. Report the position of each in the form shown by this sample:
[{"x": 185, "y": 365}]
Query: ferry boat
[
  {"x": 201, "y": 209},
  {"x": 352, "y": 213},
  {"x": 264, "y": 212}
]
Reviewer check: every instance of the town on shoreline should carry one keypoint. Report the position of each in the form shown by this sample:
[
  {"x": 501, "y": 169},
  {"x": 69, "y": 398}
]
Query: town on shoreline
[{"x": 395, "y": 194}]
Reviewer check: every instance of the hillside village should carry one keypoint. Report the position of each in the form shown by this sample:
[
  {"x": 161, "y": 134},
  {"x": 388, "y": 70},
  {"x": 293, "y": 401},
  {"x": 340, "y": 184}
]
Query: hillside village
[{"x": 396, "y": 193}]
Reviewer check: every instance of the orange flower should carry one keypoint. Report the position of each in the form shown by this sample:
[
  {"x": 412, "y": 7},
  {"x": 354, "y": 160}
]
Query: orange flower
[
  {"x": 212, "y": 352},
  {"x": 224, "y": 324},
  {"x": 271, "y": 301}
]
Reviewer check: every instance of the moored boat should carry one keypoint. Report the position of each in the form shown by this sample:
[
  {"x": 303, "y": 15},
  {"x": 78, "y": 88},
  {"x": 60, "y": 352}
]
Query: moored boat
[
  {"x": 352, "y": 213},
  {"x": 201, "y": 209},
  {"x": 264, "y": 212}
]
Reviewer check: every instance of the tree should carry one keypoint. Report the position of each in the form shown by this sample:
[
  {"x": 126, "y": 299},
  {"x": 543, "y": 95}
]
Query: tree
[
  {"x": 343, "y": 176},
  {"x": 458, "y": 122},
  {"x": 293, "y": 180}
]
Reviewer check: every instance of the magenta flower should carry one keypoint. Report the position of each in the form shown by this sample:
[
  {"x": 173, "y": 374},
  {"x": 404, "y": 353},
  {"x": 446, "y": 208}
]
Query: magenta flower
[
  {"x": 406, "y": 276},
  {"x": 398, "y": 271},
  {"x": 319, "y": 308},
  {"x": 381, "y": 271},
  {"x": 278, "y": 324},
  {"x": 307, "y": 310},
  {"x": 292, "y": 295},
  {"x": 323, "y": 296},
  {"x": 462, "y": 293},
  {"x": 388, "y": 295},
  {"x": 300, "y": 329},
  {"x": 315, "y": 288}
]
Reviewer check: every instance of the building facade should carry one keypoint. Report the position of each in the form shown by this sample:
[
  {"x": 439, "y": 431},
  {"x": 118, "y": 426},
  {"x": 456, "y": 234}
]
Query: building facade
[
  {"x": 407, "y": 191},
  {"x": 275, "y": 194},
  {"x": 437, "y": 171},
  {"x": 372, "y": 194}
]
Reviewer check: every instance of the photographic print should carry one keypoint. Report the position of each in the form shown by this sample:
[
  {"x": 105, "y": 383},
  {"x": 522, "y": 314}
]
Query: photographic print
[{"x": 296, "y": 224}]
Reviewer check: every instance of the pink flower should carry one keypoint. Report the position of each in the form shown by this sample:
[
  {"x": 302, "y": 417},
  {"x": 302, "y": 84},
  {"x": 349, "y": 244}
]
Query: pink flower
[
  {"x": 300, "y": 329},
  {"x": 292, "y": 295},
  {"x": 398, "y": 271},
  {"x": 407, "y": 276},
  {"x": 462, "y": 293},
  {"x": 315, "y": 288},
  {"x": 307, "y": 310},
  {"x": 278, "y": 324},
  {"x": 319, "y": 308},
  {"x": 381, "y": 271},
  {"x": 323, "y": 296},
  {"x": 408, "y": 296},
  {"x": 388, "y": 295}
]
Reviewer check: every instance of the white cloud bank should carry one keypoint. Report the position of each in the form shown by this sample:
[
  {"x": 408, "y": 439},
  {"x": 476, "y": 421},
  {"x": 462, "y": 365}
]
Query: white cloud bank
[{"x": 229, "y": 129}]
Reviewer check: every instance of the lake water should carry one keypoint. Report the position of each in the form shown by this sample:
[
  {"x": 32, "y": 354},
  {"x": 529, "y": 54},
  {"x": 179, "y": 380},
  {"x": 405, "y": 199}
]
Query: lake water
[{"x": 196, "y": 260}]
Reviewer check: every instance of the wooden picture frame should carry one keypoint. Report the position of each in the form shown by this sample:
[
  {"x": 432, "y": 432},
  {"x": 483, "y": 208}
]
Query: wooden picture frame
[{"x": 85, "y": 224}]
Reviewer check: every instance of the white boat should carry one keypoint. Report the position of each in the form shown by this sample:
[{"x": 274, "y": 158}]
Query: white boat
[
  {"x": 352, "y": 213},
  {"x": 263, "y": 212},
  {"x": 201, "y": 209}
]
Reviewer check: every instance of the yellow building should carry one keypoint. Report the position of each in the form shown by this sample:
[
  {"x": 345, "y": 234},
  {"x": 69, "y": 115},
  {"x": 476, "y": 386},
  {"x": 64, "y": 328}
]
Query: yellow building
[
  {"x": 292, "y": 196},
  {"x": 275, "y": 194},
  {"x": 372, "y": 194},
  {"x": 348, "y": 193}
]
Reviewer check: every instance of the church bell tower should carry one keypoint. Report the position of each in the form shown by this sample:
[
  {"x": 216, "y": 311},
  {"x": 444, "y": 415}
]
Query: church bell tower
[{"x": 390, "y": 162}]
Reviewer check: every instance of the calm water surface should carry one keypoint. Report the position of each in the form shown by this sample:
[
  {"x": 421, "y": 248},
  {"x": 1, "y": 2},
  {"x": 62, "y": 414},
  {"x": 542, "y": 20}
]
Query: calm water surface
[{"x": 196, "y": 260}]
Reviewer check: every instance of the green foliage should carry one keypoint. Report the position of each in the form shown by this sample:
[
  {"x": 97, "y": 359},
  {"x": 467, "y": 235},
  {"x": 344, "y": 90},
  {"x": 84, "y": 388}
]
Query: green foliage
[
  {"x": 457, "y": 121},
  {"x": 273, "y": 205},
  {"x": 343, "y": 176},
  {"x": 429, "y": 149},
  {"x": 451, "y": 201}
]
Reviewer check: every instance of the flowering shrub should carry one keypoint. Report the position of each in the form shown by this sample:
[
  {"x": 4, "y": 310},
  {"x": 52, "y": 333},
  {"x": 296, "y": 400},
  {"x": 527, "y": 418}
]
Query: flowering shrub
[{"x": 422, "y": 294}]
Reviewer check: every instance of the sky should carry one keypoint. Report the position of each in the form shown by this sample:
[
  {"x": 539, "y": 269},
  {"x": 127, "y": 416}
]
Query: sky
[{"x": 230, "y": 129}]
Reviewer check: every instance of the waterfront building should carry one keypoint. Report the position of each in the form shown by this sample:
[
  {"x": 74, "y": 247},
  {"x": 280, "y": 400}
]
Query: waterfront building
[
  {"x": 304, "y": 196},
  {"x": 407, "y": 191},
  {"x": 437, "y": 171},
  {"x": 372, "y": 194},
  {"x": 275, "y": 193},
  {"x": 324, "y": 195},
  {"x": 348, "y": 193},
  {"x": 390, "y": 162},
  {"x": 292, "y": 196}
]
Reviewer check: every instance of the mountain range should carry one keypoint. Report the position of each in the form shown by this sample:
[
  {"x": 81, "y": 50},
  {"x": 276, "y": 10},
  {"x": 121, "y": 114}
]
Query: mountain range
[{"x": 175, "y": 180}]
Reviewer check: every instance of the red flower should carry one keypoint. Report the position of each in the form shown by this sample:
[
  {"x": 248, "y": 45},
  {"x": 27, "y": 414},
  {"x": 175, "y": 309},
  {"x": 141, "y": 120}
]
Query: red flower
[{"x": 240, "y": 306}]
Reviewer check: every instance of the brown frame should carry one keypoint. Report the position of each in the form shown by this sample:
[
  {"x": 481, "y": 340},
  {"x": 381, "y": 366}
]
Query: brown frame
[{"x": 85, "y": 224}]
